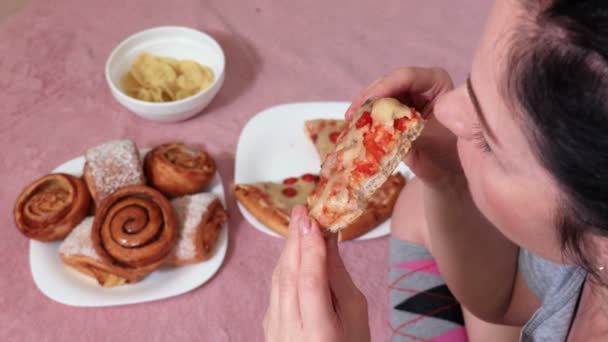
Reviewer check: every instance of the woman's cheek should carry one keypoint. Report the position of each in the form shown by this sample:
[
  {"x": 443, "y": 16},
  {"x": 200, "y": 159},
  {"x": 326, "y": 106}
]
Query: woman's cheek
[
  {"x": 480, "y": 178},
  {"x": 494, "y": 193},
  {"x": 466, "y": 156}
]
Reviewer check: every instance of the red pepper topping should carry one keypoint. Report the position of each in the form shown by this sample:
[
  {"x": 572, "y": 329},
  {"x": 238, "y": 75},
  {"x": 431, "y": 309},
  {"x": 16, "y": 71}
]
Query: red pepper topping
[
  {"x": 290, "y": 192},
  {"x": 309, "y": 177},
  {"x": 333, "y": 137},
  {"x": 367, "y": 168},
  {"x": 401, "y": 123},
  {"x": 364, "y": 120},
  {"x": 291, "y": 180},
  {"x": 373, "y": 148}
]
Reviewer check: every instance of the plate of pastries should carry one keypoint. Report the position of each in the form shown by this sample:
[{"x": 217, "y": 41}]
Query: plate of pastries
[{"x": 120, "y": 225}]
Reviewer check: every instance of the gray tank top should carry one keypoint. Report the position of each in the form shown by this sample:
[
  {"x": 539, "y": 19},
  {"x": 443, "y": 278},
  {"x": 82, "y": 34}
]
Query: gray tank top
[{"x": 558, "y": 286}]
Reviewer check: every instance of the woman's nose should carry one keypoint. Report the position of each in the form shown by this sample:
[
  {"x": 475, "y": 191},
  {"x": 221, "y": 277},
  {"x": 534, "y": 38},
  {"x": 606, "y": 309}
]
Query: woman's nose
[{"x": 451, "y": 111}]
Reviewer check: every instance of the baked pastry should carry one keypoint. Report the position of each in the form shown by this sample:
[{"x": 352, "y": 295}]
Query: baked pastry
[
  {"x": 50, "y": 207},
  {"x": 111, "y": 166},
  {"x": 367, "y": 153},
  {"x": 176, "y": 169},
  {"x": 77, "y": 251},
  {"x": 200, "y": 218},
  {"x": 134, "y": 231}
]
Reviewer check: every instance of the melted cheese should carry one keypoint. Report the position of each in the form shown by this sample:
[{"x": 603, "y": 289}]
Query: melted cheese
[{"x": 387, "y": 109}]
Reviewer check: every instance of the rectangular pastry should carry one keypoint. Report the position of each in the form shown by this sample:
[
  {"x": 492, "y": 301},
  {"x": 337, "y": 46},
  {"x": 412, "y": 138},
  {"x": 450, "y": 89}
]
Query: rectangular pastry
[
  {"x": 111, "y": 166},
  {"x": 200, "y": 218},
  {"x": 78, "y": 252}
]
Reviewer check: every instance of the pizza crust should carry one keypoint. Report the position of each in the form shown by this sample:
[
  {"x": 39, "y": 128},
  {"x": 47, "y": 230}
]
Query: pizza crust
[{"x": 379, "y": 209}]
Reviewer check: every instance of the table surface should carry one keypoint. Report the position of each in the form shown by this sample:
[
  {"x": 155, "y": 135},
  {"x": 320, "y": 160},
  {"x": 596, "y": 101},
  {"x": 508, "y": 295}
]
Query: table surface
[{"x": 55, "y": 104}]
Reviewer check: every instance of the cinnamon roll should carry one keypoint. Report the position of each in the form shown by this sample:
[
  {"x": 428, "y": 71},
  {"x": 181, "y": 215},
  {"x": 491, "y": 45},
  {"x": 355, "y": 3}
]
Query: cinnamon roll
[
  {"x": 176, "y": 169},
  {"x": 134, "y": 230},
  {"x": 50, "y": 207},
  {"x": 200, "y": 218}
]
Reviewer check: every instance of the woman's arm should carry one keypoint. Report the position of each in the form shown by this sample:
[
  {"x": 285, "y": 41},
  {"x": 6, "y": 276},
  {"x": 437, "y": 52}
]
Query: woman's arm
[{"x": 477, "y": 262}]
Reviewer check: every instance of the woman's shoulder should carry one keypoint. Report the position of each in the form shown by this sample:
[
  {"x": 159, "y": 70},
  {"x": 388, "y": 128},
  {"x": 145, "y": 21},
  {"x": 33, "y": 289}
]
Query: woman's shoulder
[
  {"x": 558, "y": 286},
  {"x": 544, "y": 277}
]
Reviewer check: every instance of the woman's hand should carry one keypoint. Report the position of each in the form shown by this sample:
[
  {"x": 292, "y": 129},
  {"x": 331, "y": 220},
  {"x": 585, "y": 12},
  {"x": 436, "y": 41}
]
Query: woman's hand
[
  {"x": 433, "y": 157},
  {"x": 313, "y": 297}
]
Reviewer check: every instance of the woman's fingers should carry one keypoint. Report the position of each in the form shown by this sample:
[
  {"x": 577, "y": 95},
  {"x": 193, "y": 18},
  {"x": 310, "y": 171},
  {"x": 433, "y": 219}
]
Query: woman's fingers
[
  {"x": 417, "y": 86},
  {"x": 342, "y": 286},
  {"x": 339, "y": 279},
  {"x": 271, "y": 318},
  {"x": 349, "y": 302},
  {"x": 314, "y": 296},
  {"x": 289, "y": 264}
]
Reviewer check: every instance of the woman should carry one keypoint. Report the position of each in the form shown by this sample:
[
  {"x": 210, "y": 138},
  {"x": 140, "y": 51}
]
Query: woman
[{"x": 511, "y": 193}]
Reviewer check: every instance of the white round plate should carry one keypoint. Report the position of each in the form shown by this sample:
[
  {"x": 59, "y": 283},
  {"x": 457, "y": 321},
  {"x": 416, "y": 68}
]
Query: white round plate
[
  {"x": 273, "y": 146},
  {"x": 65, "y": 285}
]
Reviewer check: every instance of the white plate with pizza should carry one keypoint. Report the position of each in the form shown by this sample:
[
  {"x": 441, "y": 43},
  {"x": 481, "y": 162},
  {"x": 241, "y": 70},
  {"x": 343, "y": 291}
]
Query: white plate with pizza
[
  {"x": 279, "y": 153},
  {"x": 63, "y": 284}
]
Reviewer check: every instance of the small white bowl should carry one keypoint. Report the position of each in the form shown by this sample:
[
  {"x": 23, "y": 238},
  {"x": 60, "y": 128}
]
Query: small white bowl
[{"x": 167, "y": 41}]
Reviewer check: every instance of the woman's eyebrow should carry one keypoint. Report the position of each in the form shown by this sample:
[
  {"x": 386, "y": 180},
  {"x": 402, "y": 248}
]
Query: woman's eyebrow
[{"x": 480, "y": 115}]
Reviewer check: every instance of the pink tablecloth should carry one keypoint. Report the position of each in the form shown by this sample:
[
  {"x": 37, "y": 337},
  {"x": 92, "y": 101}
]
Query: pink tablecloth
[{"x": 54, "y": 103}]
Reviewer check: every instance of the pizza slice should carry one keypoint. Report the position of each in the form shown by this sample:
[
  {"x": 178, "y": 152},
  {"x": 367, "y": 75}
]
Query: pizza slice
[
  {"x": 367, "y": 152},
  {"x": 271, "y": 204},
  {"x": 324, "y": 134}
]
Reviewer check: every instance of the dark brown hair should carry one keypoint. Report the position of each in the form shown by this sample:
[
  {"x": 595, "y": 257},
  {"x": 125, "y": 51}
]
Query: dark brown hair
[{"x": 558, "y": 74}]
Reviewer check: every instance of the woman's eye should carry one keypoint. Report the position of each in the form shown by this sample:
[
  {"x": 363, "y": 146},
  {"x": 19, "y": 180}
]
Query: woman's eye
[{"x": 480, "y": 139}]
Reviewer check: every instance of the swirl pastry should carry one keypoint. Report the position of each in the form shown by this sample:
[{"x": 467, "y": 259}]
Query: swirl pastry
[
  {"x": 50, "y": 207},
  {"x": 176, "y": 169},
  {"x": 111, "y": 166},
  {"x": 200, "y": 218},
  {"x": 134, "y": 230},
  {"x": 77, "y": 251}
]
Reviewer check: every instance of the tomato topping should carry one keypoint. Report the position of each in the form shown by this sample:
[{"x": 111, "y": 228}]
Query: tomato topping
[
  {"x": 373, "y": 148},
  {"x": 309, "y": 177},
  {"x": 367, "y": 168},
  {"x": 290, "y": 192},
  {"x": 364, "y": 120},
  {"x": 323, "y": 181},
  {"x": 401, "y": 123},
  {"x": 290, "y": 180},
  {"x": 314, "y": 137},
  {"x": 333, "y": 137}
]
